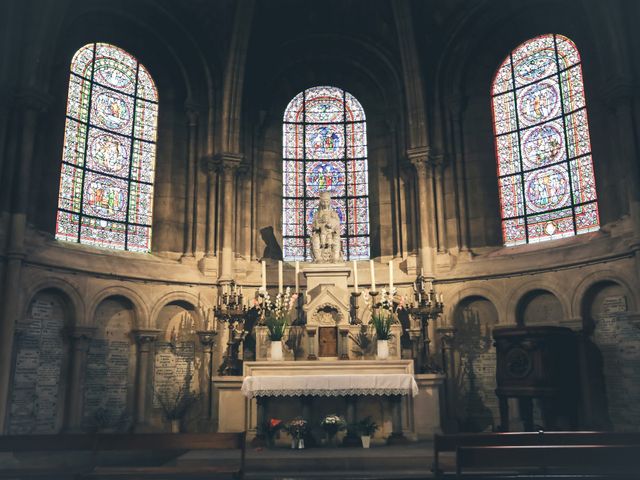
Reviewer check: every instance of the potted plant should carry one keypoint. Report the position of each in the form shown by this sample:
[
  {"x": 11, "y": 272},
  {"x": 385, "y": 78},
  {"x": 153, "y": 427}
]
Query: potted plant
[
  {"x": 277, "y": 319},
  {"x": 367, "y": 427},
  {"x": 332, "y": 424},
  {"x": 297, "y": 428},
  {"x": 363, "y": 342},
  {"x": 382, "y": 321},
  {"x": 271, "y": 429}
]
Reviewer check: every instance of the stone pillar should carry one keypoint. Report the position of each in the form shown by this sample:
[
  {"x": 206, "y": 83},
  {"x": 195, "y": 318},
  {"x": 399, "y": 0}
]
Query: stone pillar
[
  {"x": 31, "y": 103},
  {"x": 419, "y": 158},
  {"x": 80, "y": 338},
  {"x": 396, "y": 437},
  {"x": 344, "y": 343},
  {"x": 209, "y": 265},
  {"x": 228, "y": 165},
  {"x": 244, "y": 199},
  {"x": 311, "y": 335},
  {"x": 207, "y": 339},
  {"x": 440, "y": 208},
  {"x": 190, "y": 237},
  {"x": 456, "y": 107},
  {"x": 351, "y": 439},
  {"x": 144, "y": 340}
]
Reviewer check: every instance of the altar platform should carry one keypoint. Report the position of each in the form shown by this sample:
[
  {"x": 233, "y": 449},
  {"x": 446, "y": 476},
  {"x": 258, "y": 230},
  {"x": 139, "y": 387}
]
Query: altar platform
[{"x": 404, "y": 404}]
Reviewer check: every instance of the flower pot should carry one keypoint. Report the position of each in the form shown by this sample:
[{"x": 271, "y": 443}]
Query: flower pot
[
  {"x": 366, "y": 441},
  {"x": 276, "y": 350},
  {"x": 383, "y": 349},
  {"x": 175, "y": 426},
  {"x": 301, "y": 443},
  {"x": 297, "y": 443}
]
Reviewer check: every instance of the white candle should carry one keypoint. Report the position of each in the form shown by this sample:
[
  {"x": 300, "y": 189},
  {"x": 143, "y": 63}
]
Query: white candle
[
  {"x": 373, "y": 275},
  {"x": 264, "y": 276},
  {"x": 391, "y": 277},
  {"x": 297, "y": 274},
  {"x": 355, "y": 276},
  {"x": 280, "y": 279}
]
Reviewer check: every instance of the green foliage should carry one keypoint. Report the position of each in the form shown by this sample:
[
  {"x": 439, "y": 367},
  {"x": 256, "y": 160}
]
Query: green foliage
[
  {"x": 367, "y": 426},
  {"x": 382, "y": 321},
  {"x": 363, "y": 341},
  {"x": 277, "y": 326}
]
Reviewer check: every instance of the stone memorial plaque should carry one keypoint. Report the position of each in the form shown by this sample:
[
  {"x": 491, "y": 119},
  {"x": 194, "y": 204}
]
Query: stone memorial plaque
[
  {"x": 618, "y": 341},
  {"x": 36, "y": 377},
  {"x": 328, "y": 342},
  {"x": 106, "y": 382}
]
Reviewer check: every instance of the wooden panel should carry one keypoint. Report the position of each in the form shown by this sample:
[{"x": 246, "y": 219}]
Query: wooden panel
[{"x": 328, "y": 341}]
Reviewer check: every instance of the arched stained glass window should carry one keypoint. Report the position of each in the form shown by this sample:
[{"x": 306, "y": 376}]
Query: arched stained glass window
[
  {"x": 106, "y": 185},
  {"x": 325, "y": 148},
  {"x": 546, "y": 180}
]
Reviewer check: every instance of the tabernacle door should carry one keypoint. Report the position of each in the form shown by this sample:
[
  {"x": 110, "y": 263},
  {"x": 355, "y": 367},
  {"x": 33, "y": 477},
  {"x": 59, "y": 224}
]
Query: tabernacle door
[{"x": 328, "y": 341}]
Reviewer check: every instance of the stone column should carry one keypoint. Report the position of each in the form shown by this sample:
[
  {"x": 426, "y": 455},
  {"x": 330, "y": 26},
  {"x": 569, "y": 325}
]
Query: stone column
[
  {"x": 190, "y": 197},
  {"x": 438, "y": 161},
  {"x": 30, "y": 103},
  {"x": 396, "y": 437},
  {"x": 419, "y": 158},
  {"x": 456, "y": 108},
  {"x": 228, "y": 165},
  {"x": 80, "y": 338},
  {"x": 244, "y": 199},
  {"x": 144, "y": 340},
  {"x": 311, "y": 336},
  {"x": 208, "y": 264},
  {"x": 207, "y": 339}
]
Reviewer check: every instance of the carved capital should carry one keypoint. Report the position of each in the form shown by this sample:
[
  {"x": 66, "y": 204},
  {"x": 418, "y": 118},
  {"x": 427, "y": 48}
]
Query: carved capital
[
  {"x": 419, "y": 158},
  {"x": 145, "y": 338},
  {"x": 80, "y": 337},
  {"x": 228, "y": 162},
  {"x": 207, "y": 338}
]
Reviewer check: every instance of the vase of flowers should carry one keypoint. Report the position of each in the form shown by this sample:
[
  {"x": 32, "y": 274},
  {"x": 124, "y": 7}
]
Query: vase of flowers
[
  {"x": 297, "y": 428},
  {"x": 276, "y": 319},
  {"x": 367, "y": 427},
  {"x": 332, "y": 424},
  {"x": 382, "y": 322}
]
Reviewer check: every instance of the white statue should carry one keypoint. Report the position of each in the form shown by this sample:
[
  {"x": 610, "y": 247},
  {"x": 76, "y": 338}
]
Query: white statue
[{"x": 325, "y": 233}]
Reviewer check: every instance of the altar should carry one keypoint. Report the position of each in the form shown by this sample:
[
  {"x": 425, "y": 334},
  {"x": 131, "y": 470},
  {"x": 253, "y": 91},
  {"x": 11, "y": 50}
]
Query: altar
[{"x": 406, "y": 405}]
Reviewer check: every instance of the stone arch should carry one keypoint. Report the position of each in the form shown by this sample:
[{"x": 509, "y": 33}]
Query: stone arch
[
  {"x": 187, "y": 300},
  {"x": 591, "y": 281},
  {"x": 463, "y": 293},
  {"x": 140, "y": 309},
  {"x": 518, "y": 296},
  {"x": 527, "y": 309},
  {"x": 74, "y": 303}
]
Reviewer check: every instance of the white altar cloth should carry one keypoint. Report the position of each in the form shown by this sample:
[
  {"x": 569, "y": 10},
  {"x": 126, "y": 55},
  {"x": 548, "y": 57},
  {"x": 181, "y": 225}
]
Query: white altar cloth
[{"x": 329, "y": 385}]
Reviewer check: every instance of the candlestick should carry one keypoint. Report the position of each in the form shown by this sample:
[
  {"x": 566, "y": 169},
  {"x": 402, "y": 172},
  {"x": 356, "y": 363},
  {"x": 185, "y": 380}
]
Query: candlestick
[
  {"x": 264, "y": 276},
  {"x": 280, "y": 279},
  {"x": 297, "y": 275},
  {"x": 355, "y": 276},
  {"x": 391, "y": 277},
  {"x": 373, "y": 275}
]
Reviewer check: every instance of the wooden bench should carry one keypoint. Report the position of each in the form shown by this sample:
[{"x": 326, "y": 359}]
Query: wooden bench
[
  {"x": 578, "y": 461},
  {"x": 451, "y": 443},
  {"x": 125, "y": 442}
]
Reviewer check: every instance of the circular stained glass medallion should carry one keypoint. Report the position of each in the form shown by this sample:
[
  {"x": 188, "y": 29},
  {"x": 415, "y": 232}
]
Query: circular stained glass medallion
[
  {"x": 112, "y": 110},
  {"x": 547, "y": 189},
  {"x": 542, "y": 145},
  {"x": 535, "y": 66},
  {"x": 110, "y": 154},
  {"x": 112, "y": 76},
  {"x": 539, "y": 102},
  {"x": 106, "y": 197},
  {"x": 329, "y": 176}
]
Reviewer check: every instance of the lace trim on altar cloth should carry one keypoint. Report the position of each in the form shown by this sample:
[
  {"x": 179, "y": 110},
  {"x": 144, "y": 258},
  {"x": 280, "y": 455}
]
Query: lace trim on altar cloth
[{"x": 327, "y": 393}]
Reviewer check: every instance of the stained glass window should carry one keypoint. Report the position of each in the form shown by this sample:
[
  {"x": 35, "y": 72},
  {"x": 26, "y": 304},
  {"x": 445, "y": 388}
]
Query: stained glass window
[
  {"x": 545, "y": 170},
  {"x": 106, "y": 185},
  {"x": 325, "y": 149}
]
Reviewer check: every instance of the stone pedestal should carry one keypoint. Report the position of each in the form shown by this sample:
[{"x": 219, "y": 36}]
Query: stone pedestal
[
  {"x": 231, "y": 404},
  {"x": 328, "y": 274},
  {"x": 426, "y": 406}
]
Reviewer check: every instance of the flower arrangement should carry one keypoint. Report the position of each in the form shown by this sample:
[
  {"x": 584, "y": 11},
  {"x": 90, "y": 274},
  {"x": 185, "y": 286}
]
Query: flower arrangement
[
  {"x": 384, "y": 315},
  {"x": 271, "y": 429},
  {"x": 333, "y": 424},
  {"x": 277, "y": 313},
  {"x": 297, "y": 428}
]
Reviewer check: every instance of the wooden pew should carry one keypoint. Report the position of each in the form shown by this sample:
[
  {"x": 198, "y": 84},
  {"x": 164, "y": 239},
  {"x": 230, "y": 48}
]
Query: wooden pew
[
  {"x": 450, "y": 443},
  {"x": 592, "y": 461},
  {"x": 110, "y": 442}
]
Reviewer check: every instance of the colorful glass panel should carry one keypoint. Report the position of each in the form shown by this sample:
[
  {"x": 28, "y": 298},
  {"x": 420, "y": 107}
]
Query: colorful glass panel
[
  {"x": 106, "y": 185},
  {"x": 325, "y": 149},
  {"x": 546, "y": 179}
]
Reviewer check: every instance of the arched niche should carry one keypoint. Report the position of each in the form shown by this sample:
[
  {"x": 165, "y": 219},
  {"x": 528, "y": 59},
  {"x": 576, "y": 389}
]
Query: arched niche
[
  {"x": 539, "y": 307},
  {"x": 612, "y": 357},
  {"x": 110, "y": 373},
  {"x": 178, "y": 359},
  {"x": 474, "y": 365},
  {"x": 36, "y": 404}
]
